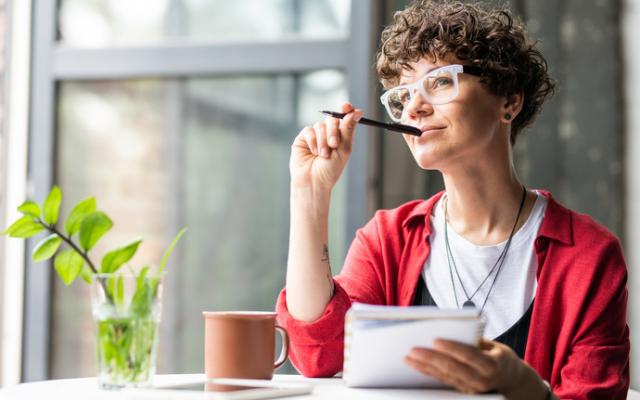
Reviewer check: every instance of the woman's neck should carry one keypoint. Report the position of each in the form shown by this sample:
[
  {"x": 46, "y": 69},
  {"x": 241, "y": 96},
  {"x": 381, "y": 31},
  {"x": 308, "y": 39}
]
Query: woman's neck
[{"x": 483, "y": 201}]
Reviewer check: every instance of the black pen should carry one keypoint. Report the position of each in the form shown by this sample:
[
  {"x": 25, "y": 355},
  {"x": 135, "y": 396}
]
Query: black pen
[{"x": 410, "y": 130}]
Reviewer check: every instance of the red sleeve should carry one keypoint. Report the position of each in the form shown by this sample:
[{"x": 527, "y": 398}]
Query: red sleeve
[
  {"x": 598, "y": 363},
  {"x": 316, "y": 348}
]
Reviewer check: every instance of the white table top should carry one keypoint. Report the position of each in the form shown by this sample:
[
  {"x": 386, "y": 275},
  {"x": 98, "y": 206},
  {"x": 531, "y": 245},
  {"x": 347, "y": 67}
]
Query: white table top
[{"x": 332, "y": 388}]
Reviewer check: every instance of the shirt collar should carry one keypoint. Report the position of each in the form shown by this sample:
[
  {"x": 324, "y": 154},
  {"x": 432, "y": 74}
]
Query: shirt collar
[
  {"x": 556, "y": 223},
  {"x": 421, "y": 212}
]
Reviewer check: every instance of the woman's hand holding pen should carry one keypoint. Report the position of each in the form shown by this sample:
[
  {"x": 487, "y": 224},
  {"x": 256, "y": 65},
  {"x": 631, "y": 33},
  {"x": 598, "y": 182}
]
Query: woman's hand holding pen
[{"x": 320, "y": 153}]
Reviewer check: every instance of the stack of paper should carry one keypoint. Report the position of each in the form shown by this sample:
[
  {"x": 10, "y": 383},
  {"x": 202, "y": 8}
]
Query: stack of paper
[{"x": 377, "y": 339}]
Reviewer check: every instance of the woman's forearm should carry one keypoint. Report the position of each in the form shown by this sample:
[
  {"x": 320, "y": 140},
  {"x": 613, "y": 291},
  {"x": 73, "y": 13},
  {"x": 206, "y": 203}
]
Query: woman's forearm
[{"x": 309, "y": 279}]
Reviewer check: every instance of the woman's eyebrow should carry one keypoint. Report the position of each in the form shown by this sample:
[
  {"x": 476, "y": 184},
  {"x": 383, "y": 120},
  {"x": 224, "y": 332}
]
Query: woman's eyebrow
[{"x": 403, "y": 82}]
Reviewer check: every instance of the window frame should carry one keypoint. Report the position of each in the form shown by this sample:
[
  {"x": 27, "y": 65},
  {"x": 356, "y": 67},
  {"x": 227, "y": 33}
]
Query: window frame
[
  {"x": 14, "y": 185},
  {"x": 630, "y": 31}
]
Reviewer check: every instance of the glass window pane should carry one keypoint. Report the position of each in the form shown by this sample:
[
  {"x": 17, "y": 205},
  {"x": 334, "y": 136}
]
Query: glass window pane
[
  {"x": 112, "y": 145},
  {"x": 215, "y": 153},
  {"x": 99, "y": 23}
]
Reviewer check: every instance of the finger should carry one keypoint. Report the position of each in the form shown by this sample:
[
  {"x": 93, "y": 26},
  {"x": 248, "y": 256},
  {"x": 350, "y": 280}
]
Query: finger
[
  {"x": 348, "y": 126},
  {"x": 470, "y": 355},
  {"x": 346, "y": 107},
  {"x": 333, "y": 134},
  {"x": 321, "y": 138},
  {"x": 309, "y": 135},
  {"x": 448, "y": 366},
  {"x": 447, "y": 379},
  {"x": 485, "y": 344},
  {"x": 465, "y": 383},
  {"x": 497, "y": 352}
]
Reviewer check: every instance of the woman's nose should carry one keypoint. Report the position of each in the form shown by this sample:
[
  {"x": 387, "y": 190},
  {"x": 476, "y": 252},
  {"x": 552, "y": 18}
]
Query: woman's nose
[{"x": 418, "y": 106}]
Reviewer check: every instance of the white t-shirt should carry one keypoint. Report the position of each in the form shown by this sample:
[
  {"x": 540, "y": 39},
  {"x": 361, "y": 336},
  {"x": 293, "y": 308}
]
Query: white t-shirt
[{"x": 515, "y": 286}]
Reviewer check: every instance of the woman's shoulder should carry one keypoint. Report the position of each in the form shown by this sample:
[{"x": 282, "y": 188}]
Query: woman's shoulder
[
  {"x": 581, "y": 239},
  {"x": 583, "y": 227}
]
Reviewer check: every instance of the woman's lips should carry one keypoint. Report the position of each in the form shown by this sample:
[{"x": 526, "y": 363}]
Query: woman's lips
[{"x": 430, "y": 128}]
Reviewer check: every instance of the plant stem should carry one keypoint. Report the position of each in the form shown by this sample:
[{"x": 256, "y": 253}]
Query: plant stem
[
  {"x": 68, "y": 241},
  {"x": 83, "y": 254}
]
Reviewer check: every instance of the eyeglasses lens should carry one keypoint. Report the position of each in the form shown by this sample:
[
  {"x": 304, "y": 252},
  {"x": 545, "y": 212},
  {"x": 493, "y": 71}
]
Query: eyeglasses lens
[{"x": 439, "y": 88}]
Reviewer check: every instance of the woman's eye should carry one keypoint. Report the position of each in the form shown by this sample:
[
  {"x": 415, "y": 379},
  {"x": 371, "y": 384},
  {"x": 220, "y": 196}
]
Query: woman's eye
[
  {"x": 441, "y": 82},
  {"x": 394, "y": 103}
]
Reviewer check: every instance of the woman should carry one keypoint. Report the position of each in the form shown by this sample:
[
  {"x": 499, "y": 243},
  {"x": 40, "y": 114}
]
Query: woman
[{"x": 551, "y": 283}]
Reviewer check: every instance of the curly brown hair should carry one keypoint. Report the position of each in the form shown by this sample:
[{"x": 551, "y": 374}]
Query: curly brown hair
[{"x": 477, "y": 34}]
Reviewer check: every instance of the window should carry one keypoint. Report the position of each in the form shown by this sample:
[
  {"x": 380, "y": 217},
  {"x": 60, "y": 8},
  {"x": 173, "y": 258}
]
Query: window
[
  {"x": 182, "y": 113},
  {"x": 124, "y": 22},
  {"x": 230, "y": 159}
]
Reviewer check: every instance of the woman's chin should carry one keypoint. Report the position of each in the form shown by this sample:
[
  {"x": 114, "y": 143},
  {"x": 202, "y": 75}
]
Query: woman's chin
[{"x": 426, "y": 160}]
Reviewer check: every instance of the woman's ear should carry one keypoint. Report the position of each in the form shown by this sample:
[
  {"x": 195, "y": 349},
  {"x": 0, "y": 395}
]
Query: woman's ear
[{"x": 511, "y": 107}]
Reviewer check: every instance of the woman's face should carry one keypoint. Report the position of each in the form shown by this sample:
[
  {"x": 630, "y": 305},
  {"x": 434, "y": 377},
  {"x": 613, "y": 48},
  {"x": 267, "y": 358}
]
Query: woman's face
[{"x": 466, "y": 128}]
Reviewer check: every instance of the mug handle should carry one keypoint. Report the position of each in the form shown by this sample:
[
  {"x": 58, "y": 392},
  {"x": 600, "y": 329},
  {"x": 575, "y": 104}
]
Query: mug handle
[{"x": 284, "y": 353}]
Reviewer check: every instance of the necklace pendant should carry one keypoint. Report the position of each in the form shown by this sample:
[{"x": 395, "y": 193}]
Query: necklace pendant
[{"x": 469, "y": 303}]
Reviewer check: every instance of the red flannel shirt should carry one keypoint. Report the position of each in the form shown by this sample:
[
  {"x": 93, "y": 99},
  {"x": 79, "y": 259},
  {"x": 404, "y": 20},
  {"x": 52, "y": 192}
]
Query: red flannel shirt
[{"x": 578, "y": 338}]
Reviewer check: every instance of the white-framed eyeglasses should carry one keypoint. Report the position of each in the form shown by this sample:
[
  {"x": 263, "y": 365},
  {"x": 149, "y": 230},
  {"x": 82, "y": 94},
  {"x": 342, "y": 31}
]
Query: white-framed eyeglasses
[{"x": 439, "y": 86}]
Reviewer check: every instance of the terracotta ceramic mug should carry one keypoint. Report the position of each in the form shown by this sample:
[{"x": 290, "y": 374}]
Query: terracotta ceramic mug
[{"x": 241, "y": 344}]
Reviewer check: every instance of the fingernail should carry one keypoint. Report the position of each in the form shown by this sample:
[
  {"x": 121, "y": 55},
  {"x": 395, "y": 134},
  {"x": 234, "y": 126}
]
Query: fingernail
[
  {"x": 358, "y": 117},
  {"x": 325, "y": 152},
  {"x": 333, "y": 141}
]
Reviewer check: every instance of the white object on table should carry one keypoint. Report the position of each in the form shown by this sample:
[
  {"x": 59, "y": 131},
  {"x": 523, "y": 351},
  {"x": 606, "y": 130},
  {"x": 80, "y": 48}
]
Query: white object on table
[
  {"x": 331, "y": 388},
  {"x": 380, "y": 327}
]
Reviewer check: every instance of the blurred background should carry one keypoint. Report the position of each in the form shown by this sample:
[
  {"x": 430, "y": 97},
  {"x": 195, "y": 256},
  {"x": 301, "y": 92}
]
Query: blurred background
[{"x": 182, "y": 112}]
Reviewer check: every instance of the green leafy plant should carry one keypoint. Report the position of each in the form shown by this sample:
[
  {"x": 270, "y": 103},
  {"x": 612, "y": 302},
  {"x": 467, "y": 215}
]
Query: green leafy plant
[
  {"x": 84, "y": 227},
  {"x": 127, "y": 333}
]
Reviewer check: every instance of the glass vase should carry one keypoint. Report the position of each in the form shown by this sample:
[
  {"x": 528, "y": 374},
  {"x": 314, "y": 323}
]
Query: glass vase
[{"x": 126, "y": 310}]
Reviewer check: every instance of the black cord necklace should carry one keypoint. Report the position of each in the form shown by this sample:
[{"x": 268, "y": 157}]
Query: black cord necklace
[{"x": 498, "y": 264}]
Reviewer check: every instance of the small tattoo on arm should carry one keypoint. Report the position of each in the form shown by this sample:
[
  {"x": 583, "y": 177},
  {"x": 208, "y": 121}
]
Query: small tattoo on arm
[
  {"x": 325, "y": 253},
  {"x": 325, "y": 258}
]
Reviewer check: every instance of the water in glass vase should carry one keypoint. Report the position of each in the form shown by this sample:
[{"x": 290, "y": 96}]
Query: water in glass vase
[{"x": 126, "y": 351}]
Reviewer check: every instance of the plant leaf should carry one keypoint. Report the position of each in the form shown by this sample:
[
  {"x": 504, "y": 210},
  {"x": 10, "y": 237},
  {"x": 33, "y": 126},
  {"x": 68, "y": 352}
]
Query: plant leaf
[
  {"x": 17, "y": 223},
  {"x": 143, "y": 297},
  {"x": 114, "y": 259},
  {"x": 51, "y": 205},
  {"x": 120, "y": 290},
  {"x": 86, "y": 274},
  {"x": 30, "y": 208},
  {"x": 143, "y": 272},
  {"x": 92, "y": 227},
  {"x": 46, "y": 248},
  {"x": 115, "y": 289},
  {"x": 110, "y": 285},
  {"x": 77, "y": 214},
  {"x": 68, "y": 264},
  {"x": 24, "y": 227},
  {"x": 170, "y": 249}
]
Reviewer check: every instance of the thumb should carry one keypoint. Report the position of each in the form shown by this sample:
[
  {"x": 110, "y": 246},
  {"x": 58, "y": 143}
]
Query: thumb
[{"x": 485, "y": 344}]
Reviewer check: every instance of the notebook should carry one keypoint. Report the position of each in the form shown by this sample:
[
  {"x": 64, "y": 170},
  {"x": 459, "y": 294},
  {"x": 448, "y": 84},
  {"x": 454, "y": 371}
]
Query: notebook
[{"x": 377, "y": 338}]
